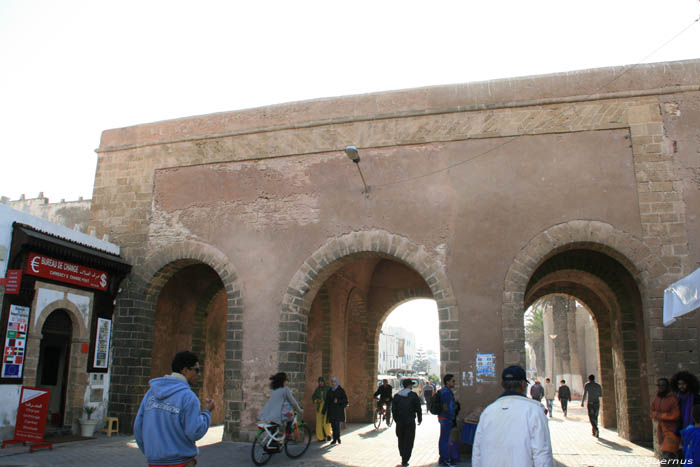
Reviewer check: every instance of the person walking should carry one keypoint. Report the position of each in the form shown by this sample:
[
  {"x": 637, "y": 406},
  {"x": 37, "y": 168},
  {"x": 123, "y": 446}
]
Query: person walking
[
  {"x": 550, "y": 392},
  {"x": 564, "y": 394},
  {"x": 537, "y": 391},
  {"x": 513, "y": 430},
  {"x": 428, "y": 391},
  {"x": 594, "y": 392},
  {"x": 664, "y": 409},
  {"x": 323, "y": 428},
  {"x": 169, "y": 420},
  {"x": 336, "y": 401},
  {"x": 405, "y": 407},
  {"x": 446, "y": 419}
]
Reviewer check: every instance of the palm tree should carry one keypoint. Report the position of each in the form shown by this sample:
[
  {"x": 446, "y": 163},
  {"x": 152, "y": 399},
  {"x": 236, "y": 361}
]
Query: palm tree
[{"x": 534, "y": 332}]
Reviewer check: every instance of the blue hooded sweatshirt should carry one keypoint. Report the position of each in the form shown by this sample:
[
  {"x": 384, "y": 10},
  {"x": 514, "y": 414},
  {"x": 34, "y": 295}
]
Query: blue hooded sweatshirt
[
  {"x": 691, "y": 443},
  {"x": 169, "y": 422}
]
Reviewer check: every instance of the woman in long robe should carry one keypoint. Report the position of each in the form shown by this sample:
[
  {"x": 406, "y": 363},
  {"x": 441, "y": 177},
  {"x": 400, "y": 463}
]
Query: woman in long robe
[{"x": 323, "y": 428}]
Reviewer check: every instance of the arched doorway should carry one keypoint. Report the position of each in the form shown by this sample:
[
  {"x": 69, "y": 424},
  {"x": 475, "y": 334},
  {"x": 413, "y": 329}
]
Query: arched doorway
[
  {"x": 344, "y": 324},
  {"x": 561, "y": 341},
  {"x": 191, "y": 315},
  {"x": 611, "y": 294},
  {"x": 54, "y": 363}
]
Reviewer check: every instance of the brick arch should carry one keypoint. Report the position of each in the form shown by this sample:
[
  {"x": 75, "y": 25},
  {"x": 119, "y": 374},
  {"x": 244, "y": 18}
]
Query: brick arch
[
  {"x": 343, "y": 250},
  {"x": 400, "y": 297},
  {"x": 143, "y": 288},
  {"x": 621, "y": 246},
  {"x": 80, "y": 327}
]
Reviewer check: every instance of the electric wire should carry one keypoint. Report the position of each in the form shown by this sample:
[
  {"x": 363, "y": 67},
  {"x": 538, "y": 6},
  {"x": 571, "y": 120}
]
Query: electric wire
[{"x": 516, "y": 137}]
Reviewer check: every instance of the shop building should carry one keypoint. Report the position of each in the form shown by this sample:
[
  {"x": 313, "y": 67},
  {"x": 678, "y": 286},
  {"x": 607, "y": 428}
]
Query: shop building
[{"x": 57, "y": 292}]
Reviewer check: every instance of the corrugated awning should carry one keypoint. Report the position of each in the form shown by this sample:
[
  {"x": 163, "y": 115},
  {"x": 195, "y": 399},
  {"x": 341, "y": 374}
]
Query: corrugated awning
[{"x": 39, "y": 241}]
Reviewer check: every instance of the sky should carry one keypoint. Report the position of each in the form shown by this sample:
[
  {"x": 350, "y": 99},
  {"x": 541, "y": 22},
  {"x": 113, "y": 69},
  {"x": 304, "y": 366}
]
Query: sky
[
  {"x": 71, "y": 69},
  {"x": 420, "y": 317}
]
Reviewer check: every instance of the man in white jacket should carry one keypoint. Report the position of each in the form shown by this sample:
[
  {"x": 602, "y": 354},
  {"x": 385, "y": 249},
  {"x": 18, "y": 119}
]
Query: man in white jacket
[{"x": 513, "y": 430}]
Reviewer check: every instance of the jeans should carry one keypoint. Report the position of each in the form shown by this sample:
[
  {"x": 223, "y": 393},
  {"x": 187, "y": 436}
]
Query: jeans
[
  {"x": 550, "y": 406},
  {"x": 445, "y": 428},
  {"x": 564, "y": 404},
  {"x": 593, "y": 409}
]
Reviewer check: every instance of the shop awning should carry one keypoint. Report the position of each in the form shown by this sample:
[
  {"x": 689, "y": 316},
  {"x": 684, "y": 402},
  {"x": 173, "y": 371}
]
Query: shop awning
[{"x": 681, "y": 297}]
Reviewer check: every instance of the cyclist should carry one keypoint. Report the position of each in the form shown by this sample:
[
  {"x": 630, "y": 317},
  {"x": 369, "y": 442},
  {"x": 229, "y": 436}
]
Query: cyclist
[
  {"x": 384, "y": 397},
  {"x": 281, "y": 402}
]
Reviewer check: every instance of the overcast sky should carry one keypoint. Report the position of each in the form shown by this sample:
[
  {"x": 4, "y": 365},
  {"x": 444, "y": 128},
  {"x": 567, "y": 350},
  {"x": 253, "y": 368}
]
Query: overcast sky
[{"x": 71, "y": 69}]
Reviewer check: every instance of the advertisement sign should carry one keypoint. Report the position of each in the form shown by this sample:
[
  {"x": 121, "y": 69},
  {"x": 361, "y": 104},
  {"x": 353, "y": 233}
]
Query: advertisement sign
[
  {"x": 51, "y": 268},
  {"x": 12, "y": 281},
  {"x": 31, "y": 414},
  {"x": 485, "y": 366},
  {"x": 15, "y": 342},
  {"x": 104, "y": 332}
]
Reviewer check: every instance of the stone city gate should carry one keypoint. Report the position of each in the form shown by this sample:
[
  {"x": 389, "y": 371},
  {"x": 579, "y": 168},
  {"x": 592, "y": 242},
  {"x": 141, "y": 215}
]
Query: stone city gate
[{"x": 485, "y": 197}]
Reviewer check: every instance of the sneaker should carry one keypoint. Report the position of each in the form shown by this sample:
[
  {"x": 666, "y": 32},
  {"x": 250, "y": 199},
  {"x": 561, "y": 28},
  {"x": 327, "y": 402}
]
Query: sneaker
[{"x": 332, "y": 442}]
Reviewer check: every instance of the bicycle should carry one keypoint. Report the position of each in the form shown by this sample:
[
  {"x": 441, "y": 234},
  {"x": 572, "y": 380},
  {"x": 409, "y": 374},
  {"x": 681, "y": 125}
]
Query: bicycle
[
  {"x": 295, "y": 441},
  {"x": 379, "y": 414}
]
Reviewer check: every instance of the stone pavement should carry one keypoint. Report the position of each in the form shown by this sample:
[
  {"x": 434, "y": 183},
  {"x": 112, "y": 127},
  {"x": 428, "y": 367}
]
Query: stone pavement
[{"x": 362, "y": 447}]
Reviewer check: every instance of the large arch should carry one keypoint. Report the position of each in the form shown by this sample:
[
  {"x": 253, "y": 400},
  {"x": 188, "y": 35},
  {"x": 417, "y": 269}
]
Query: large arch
[
  {"x": 144, "y": 288},
  {"x": 343, "y": 250},
  {"x": 608, "y": 270}
]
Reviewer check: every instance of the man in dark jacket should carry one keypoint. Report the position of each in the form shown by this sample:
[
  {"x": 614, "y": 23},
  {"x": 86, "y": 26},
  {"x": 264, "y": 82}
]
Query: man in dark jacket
[
  {"x": 336, "y": 401},
  {"x": 564, "y": 394},
  {"x": 594, "y": 392},
  {"x": 405, "y": 406},
  {"x": 384, "y": 392}
]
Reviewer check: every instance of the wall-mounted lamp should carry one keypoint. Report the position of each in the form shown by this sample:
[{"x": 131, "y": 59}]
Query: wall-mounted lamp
[{"x": 354, "y": 155}]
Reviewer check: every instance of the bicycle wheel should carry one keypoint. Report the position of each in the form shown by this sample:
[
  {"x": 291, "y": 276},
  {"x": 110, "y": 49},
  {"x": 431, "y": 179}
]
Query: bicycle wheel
[
  {"x": 377, "y": 418},
  {"x": 298, "y": 441},
  {"x": 388, "y": 418},
  {"x": 260, "y": 453}
]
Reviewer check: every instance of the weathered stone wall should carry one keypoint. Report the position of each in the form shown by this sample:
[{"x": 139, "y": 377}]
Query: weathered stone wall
[
  {"x": 72, "y": 214},
  {"x": 604, "y": 157}
]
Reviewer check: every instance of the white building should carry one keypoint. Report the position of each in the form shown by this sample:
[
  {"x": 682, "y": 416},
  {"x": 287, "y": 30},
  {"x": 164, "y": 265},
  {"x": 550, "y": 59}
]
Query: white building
[{"x": 397, "y": 349}]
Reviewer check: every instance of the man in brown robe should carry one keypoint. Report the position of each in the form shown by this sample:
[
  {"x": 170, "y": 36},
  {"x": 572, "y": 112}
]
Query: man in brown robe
[{"x": 665, "y": 410}]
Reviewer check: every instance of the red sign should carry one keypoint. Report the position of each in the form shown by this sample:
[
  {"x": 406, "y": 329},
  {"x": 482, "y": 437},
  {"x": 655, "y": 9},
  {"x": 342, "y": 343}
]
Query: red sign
[
  {"x": 51, "y": 268},
  {"x": 12, "y": 281},
  {"x": 31, "y": 415}
]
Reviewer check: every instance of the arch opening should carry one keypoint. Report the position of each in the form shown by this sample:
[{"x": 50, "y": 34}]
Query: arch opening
[
  {"x": 344, "y": 324},
  {"x": 190, "y": 314},
  {"x": 53, "y": 370},
  {"x": 608, "y": 291}
]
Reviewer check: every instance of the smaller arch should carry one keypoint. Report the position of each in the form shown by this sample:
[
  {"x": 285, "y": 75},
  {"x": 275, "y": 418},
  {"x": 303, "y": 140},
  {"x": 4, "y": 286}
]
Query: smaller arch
[
  {"x": 80, "y": 327},
  {"x": 623, "y": 247},
  {"x": 143, "y": 289}
]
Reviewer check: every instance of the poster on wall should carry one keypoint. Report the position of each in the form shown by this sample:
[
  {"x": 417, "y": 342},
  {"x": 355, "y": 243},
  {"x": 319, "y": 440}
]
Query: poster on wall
[
  {"x": 15, "y": 342},
  {"x": 104, "y": 331},
  {"x": 485, "y": 366}
]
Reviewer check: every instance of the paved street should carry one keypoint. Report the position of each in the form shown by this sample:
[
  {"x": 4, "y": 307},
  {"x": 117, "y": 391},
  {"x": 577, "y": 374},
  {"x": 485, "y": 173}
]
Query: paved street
[{"x": 362, "y": 446}]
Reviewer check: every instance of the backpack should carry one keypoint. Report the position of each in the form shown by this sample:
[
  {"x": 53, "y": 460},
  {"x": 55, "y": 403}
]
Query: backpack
[{"x": 435, "y": 406}]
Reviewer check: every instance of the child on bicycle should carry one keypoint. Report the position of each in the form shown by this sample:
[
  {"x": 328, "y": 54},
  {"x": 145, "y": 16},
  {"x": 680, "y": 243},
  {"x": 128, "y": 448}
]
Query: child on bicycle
[{"x": 278, "y": 407}]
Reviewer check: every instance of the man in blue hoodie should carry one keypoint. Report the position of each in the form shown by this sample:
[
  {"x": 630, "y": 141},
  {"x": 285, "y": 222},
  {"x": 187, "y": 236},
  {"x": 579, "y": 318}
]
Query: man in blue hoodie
[
  {"x": 446, "y": 419},
  {"x": 169, "y": 420}
]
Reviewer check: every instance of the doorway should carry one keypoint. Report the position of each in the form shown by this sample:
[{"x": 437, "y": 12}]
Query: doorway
[{"x": 54, "y": 363}]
